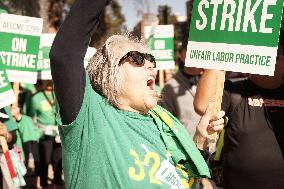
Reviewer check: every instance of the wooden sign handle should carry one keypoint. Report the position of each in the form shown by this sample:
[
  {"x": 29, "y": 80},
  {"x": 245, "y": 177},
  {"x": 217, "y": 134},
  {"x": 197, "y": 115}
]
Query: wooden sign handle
[
  {"x": 16, "y": 88},
  {"x": 7, "y": 157},
  {"x": 4, "y": 144},
  {"x": 216, "y": 101},
  {"x": 161, "y": 78}
]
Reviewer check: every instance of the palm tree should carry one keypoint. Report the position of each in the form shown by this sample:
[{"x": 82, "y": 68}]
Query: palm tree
[
  {"x": 111, "y": 23},
  {"x": 143, "y": 6}
]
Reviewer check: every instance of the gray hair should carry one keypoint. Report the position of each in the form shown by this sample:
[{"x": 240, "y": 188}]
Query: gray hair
[{"x": 103, "y": 67}]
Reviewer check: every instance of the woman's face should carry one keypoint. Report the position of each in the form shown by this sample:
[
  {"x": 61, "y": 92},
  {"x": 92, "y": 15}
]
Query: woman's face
[
  {"x": 138, "y": 92},
  {"x": 15, "y": 110}
]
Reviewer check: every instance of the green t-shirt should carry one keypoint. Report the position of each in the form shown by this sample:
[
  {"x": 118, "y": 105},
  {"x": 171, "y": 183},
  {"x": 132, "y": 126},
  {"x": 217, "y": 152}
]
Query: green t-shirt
[
  {"x": 27, "y": 130},
  {"x": 42, "y": 108},
  {"x": 27, "y": 93},
  {"x": 109, "y": 148},
  {"x": 9, "y": 122}
]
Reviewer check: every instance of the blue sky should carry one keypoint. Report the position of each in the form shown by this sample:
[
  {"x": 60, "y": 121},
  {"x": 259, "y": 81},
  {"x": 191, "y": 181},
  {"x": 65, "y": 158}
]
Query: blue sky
[{"x": 130, "y": 8}]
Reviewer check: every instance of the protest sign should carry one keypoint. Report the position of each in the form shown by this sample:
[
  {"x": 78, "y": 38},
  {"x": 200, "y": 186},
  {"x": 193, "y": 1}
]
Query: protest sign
[
  {"x": 235, "y": 35},
  {"x": 19, "y": 44},
  {"x": 46, "y": 40},
  {"x": 160, "y": 43},
  {"x": 7, "y": 96}
]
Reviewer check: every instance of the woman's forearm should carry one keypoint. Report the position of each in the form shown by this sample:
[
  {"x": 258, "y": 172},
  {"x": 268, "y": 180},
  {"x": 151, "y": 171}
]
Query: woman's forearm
[{"x": 67, "y": 56}]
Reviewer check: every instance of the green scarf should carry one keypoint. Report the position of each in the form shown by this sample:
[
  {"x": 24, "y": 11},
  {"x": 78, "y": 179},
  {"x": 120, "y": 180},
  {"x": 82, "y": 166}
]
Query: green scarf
[{"x": 179, "y": 143}]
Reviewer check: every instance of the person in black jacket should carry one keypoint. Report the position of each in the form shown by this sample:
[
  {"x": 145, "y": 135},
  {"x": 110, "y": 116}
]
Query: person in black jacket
[{"x": 253, "y": 151}]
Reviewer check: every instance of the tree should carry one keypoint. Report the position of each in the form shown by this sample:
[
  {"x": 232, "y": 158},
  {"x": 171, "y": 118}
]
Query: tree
[
  {"x": 111, "y": 22},
  {"x": 189, "y": 7},
  {"x": 21, "y": 7},
  {"x": 54, "y": 12},
  {"x": 142, "y": 6},
  {"x": 43, "y": 13}
]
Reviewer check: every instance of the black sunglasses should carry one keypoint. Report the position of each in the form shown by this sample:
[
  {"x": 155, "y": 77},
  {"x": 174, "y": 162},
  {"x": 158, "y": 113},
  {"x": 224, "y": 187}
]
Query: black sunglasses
[{"x": 139, "y": 58}]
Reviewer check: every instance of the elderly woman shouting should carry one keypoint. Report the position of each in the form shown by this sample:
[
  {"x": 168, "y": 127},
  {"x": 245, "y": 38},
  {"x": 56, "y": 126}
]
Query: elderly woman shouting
[{"x": 113, "y": 133}]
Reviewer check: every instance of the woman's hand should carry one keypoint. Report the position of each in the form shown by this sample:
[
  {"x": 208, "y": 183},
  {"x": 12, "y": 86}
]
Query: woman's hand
[
  {"x": 4, "y": 132},
  {"x": 208, "y": 125}
]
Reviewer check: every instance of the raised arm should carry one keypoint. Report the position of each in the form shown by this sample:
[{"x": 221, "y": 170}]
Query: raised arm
[
  {"x": 205, "y": 90},
  {"x": 67, "y": 56}
]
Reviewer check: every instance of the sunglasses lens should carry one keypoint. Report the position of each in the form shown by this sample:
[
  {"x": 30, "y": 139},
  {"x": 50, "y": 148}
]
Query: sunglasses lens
[
  {"x": 150, "y": 58},
  {"x": 137, "y": 58}
]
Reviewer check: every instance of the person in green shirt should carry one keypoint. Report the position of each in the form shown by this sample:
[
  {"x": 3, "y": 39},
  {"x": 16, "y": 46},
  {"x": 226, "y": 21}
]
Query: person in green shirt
[
  {"x": 26, "y": 92},
  {"x": 29, "y": 135},
  {"x": 112, "y": 131},
  {"x": 42, "y": 110}
]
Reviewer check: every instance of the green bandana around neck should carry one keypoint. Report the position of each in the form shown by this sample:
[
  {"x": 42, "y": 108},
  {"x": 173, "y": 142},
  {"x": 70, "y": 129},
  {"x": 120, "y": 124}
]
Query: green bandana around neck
[{"x": 178, "y": 141}]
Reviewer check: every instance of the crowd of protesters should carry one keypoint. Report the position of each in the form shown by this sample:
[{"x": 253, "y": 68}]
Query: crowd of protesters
[{"x": 31, "y": 131}]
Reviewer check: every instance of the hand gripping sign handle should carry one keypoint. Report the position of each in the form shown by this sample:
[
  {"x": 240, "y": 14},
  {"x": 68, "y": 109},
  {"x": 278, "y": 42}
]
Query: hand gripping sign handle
[
  {"x": 217, "y": 100},
  {"x": 7, "y": 157}
]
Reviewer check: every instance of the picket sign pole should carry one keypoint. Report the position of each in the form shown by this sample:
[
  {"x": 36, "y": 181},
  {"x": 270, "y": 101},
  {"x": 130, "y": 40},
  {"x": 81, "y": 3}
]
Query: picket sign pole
[
  {"x": 217, "y": 101},
  {"x": 161, "y": 78},
  {"x": 8, "y": 159},
  {"x": 16, "y": 89}
]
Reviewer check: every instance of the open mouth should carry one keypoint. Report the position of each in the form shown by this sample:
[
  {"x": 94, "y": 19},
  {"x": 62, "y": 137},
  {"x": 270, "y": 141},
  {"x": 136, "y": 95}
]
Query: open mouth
[{"x": 151, "y": 83}]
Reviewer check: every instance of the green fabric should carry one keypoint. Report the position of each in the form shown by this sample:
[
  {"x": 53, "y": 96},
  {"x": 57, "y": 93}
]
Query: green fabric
[
  {"x": 10, "y": 123},
  {"x": 220, "y": 142},
  {"x": 109, "y": 148},
  {"x": 29, "y": 87},
  {"x": 158, "y": 89},
  {"x": 42, "y": 109},
  {"x": 179, "y": 142},
  {"x": 28, "y": 91},
  {"x": 3, "y": 11},
  {"x": 27, "y": 130}
]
